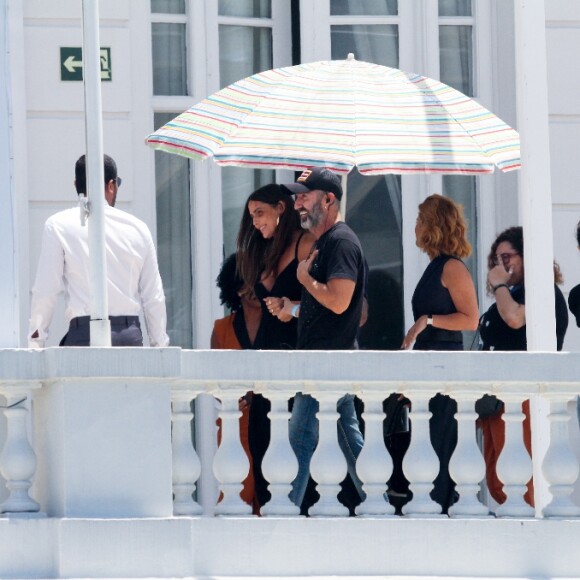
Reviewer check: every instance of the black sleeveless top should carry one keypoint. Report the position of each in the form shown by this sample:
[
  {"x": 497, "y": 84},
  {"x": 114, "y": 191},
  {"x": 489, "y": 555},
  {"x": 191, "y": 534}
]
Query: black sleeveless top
[
  {"x": 431, "y": 297},
  {"x": 275, "y": 334}
]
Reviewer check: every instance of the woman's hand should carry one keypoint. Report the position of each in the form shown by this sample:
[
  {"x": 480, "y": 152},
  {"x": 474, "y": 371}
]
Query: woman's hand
[
  {"x": 274, "y": 304},
  {"x": 499, "y": 275},
  {"x": 285, "y": 314},
  {"x": 276, "y": 308},
  {"x": 414, "y": 332}
]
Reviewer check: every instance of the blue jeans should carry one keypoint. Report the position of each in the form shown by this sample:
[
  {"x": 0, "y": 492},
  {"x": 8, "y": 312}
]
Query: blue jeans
[{"x": 303, "y": 433}]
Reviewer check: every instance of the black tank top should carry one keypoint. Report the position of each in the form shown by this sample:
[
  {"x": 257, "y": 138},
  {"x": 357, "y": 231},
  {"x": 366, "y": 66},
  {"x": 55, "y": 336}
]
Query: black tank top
[
  {"x": 274, "y": 334},
  {"x": 431, "y": 297}
]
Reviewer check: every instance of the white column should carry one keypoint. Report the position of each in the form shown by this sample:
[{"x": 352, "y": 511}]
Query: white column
[
  {"x": 535, "y": 202},
  {"x": 514, "y": 466},
  {"x": 231, "y": 465},
  {"x": 9, "y": 254},
  {"x": 535, "y": 183},
  {"x": 374, "y": 465},
  {"x": 421, "y": 464},
  {"x": 18, "y": 460},
  {"x": 279, "y": 465},
  {"x": 467, "y": 467},
  {"x": 560, "y": 464},
  {"x": 328, "y": 466},
  {"x": 186, "y": 464}
]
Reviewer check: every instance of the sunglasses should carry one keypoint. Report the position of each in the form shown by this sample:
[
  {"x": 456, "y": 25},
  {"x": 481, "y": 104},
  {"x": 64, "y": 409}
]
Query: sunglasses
[
  {"x": 505, "y": 258},
  {"x": 118, "y": 181}
]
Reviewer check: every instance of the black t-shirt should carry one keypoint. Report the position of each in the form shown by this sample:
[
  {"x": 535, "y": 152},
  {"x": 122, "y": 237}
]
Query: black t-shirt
[
  {"x": 574, "y": 303},
  {"x": 340, "y": 255},
  {"x": 497, "y": 335}
]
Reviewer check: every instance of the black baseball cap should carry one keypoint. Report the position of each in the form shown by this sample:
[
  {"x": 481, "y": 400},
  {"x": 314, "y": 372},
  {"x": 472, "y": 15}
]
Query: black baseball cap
[{"x": 316, "y": 178}]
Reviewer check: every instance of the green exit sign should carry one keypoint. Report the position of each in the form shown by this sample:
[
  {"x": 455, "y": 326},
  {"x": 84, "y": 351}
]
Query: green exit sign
[{"x": 71, "y": 63}]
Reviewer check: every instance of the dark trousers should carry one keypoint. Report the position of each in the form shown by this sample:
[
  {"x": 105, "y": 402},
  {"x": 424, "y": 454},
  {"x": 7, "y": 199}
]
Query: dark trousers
[{"x": 125, "y": 331}]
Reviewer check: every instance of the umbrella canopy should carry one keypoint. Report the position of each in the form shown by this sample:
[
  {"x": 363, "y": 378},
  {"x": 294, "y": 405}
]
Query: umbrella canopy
[{"x": 341, "y": 114}]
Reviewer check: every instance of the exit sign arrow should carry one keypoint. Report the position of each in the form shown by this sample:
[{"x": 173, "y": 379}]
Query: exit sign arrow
[{"x": 70, "y": 64}]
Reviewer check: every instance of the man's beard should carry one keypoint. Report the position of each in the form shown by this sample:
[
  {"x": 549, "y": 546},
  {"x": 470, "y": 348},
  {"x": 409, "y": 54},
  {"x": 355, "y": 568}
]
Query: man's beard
[{"x": 314, "y": 218}]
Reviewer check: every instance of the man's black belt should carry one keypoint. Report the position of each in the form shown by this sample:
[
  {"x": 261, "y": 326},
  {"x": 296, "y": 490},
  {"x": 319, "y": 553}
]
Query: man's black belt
[{"x": 115, "y": 321}]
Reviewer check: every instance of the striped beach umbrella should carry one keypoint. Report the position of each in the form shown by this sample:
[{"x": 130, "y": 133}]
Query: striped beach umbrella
[{"x": 341, "y": 114}]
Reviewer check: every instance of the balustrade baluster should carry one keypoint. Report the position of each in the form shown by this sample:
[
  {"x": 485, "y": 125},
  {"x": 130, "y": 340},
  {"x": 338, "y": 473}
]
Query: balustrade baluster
[
  {"x": 374, "y": 465},
  {"x": 328, "y": 466},
  {"x": 560, "y": 465},
  {"x": 467, "y": 466},
  {"x": 186, "y": 463},
  {"x": 231, "y": 465},
  {"x": 279, "y": 465},
  {"x": 514, "y": 466},
  {"x": 421, "y": 464},
  {"x": 18, "y": 460}
]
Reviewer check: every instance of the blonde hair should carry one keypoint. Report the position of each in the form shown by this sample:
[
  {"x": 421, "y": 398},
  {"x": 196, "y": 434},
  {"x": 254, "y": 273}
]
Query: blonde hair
[{"x": 444, "y": 228}]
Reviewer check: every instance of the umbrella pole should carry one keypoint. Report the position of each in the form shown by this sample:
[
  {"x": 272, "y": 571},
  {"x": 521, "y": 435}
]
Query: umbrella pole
[
  {"x": 343, "y": 182},
  {"x": 100, "y": 325}
]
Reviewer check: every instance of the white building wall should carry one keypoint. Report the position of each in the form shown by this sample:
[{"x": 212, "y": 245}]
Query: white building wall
[{"x": 563, "y": 44}]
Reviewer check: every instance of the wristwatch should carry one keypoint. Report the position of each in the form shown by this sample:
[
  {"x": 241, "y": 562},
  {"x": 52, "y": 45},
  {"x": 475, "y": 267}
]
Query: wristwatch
[{"x": 429, "y": 320}]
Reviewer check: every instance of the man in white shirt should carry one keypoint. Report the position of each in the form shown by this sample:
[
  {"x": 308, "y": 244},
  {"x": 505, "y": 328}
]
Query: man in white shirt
[{"x": 133, "y": 280}]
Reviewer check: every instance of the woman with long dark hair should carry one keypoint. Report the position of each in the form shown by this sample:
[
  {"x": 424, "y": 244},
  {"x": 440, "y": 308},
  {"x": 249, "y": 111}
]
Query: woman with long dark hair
[{"x": 270, "y": 244}]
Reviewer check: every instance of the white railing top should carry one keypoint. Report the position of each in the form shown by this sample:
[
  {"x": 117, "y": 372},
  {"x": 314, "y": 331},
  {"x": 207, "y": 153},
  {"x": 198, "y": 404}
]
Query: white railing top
[
  {"x": 496, "y": 372},
  {"x": 531, "y": 371}
]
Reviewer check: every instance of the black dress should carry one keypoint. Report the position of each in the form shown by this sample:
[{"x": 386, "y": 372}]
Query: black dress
[
  {"x": 273, "y": 334},
  {"x": 431, "y": 297}
]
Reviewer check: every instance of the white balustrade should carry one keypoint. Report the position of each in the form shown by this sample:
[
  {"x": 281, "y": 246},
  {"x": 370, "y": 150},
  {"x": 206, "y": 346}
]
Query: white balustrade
[
  {"x": 560, "y": 464},
  {"x": 467, "y": 466},
  {"x": 278, "y": 376},
  {"x": 18, "y": 460},
  {"x": 279, "y": 465},
  {"x": 328, "y": 465},
  {"x": 514, "y": 466},
  {"x": 421, "y": 464},
  {"x": 186, "y": 463},
  {"x": 374, "y": 465},
  {"x": 231, "y": 465}
]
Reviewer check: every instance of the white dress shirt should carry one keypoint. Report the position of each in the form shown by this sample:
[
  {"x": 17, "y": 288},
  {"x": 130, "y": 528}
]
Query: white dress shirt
[{"x": 133, "y": 280}]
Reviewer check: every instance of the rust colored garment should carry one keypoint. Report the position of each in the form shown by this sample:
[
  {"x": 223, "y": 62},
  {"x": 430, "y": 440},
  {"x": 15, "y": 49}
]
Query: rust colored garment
[
  {"x": 225, "y": 338},
  {"x": 493, "y": 428},
  {"x": 225, "y": 334}
]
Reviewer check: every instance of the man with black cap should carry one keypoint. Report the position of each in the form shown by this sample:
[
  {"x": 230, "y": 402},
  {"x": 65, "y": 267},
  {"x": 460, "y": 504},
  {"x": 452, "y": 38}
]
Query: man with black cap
[
  {"x": 133, "y": 283},
  {"x": 333, "y": 280}
]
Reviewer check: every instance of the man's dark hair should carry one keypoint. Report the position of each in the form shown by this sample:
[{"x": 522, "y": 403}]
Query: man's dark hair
[
  {"x": 578, "y": 234},
  {"x": 81, "y": 172}
]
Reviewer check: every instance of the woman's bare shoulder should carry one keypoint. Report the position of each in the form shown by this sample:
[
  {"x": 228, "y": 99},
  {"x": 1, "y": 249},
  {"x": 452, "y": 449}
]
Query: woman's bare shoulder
[{"x": 455, "y": 270}]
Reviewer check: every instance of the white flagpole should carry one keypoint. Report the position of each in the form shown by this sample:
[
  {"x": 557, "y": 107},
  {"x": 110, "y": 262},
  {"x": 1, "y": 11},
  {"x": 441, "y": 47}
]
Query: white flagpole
[{"x": 100, "y": 325}]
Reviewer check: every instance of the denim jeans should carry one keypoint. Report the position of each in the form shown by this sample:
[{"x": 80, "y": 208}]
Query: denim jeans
[{"x": 303, "y": 433}]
